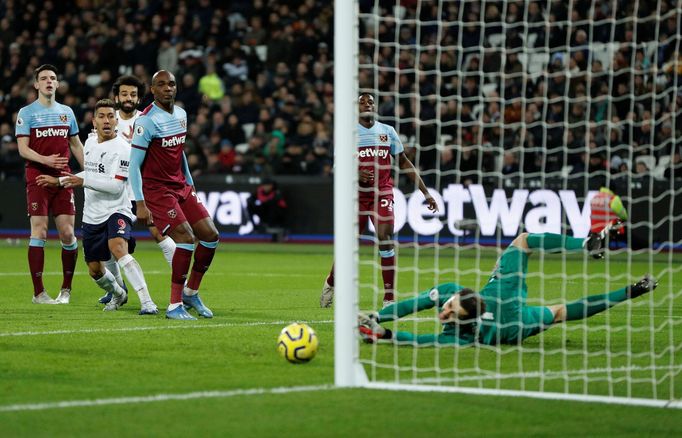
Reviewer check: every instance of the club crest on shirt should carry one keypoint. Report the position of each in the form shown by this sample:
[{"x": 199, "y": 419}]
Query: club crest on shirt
[
  {"x": 183, "y": 123},
  {"x": 34, "y": 206},
  {"x": 63, "y": 118},
  {"x": 172, "y": 213},
  {"x": 383, "y": 138}
]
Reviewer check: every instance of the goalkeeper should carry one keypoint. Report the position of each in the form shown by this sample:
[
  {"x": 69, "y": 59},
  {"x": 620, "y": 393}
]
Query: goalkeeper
[{"x": 499, "y": 314}]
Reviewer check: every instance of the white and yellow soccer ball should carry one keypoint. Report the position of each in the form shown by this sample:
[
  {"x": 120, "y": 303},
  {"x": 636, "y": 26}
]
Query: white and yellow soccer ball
[{"x": 297, "y": 343}]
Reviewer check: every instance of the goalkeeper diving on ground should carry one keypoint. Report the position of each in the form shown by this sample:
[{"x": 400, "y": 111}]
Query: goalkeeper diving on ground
[{"x": 498, "y": 314}]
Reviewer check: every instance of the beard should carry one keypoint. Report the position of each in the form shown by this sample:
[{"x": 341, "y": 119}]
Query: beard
[{"x": 128, "y": 107}]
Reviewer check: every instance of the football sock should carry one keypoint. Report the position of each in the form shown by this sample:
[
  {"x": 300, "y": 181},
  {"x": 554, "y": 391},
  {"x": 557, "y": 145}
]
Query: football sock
[
  {"x": 36, "y": 262},
  {"x": 69, "y": 256},
  {"x": 203, "y": 256},
  {"x": 330, "y": 277},
  {"x": 181, "y": 261},
  {"x": 135, "y": 276},
  {"x": 167, "y": 246},
  {"x": 553, "y": 242},
  {"x": 594, "y": 304},
  {"x": 388, "y": 272},
  {"x": 108, "y": 283},
  {"x": 112, "y": 266}
]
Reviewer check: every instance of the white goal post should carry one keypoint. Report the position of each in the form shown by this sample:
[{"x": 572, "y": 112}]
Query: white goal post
[{"x": 516, "y": 114}]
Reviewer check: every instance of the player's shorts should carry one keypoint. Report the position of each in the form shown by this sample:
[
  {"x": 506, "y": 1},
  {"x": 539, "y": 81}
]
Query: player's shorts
[
  {"x": 41, "y": 201},
  {"x": 379, "y": 209},
  {"x": 96, "y": 237},
  {"x": 505, "y": 297},
  {"x": 171, "y": 208}
]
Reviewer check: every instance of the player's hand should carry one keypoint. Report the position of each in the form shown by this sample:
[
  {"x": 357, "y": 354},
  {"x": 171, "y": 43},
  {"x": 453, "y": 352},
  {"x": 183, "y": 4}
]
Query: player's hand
[
  {"x": 56, "y": 161},
  {"x": 143, "y": 214},
  {"x": 70, "y": 181},
  {"x": 433, "y": 206},
  {"x": 47, "y": 181},
  {"x": 366, "y": 176}
]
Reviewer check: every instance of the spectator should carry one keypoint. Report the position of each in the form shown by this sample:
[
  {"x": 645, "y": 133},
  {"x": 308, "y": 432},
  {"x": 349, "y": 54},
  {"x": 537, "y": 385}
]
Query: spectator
[{"x": 267, "y": 208}]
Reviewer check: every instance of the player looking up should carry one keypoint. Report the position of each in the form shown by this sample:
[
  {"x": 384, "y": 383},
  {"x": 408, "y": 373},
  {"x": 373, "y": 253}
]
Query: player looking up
[
  {"x": 127, "y": 92},
  {"x": 107, "y": 213},
  {"x": 46, "y": 130},
  {"x": 498, "y": 314},
  {"x": 165, "y": 195},
  {"x": 377, "y": 142}
]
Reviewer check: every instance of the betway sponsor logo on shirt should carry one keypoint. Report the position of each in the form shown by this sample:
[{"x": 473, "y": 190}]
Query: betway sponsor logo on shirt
[
  {"x": 176, "y": 140},
  {"x": 52, "y": 132},
  {"x": 373, "y": 153}
]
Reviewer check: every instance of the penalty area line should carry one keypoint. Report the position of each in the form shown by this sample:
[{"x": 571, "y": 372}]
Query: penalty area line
[
  {"x": 161, "y": 398},
  {"x": 160, "y": 327}
]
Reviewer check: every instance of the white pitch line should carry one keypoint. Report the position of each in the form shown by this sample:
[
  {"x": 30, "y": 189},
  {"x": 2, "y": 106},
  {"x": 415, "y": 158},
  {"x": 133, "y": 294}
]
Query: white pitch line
[
  {"x": 160, "y": 327},
  {"x": 156, "y": 272},
  {"x": 160, "y": 398}
]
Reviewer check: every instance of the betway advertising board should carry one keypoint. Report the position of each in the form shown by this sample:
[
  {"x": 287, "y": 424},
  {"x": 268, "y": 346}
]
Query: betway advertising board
[{"x": 535, "y": 211}]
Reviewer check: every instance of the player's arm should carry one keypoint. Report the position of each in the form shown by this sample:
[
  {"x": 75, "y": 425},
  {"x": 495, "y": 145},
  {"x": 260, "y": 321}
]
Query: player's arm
[
  {"x": 406, "y": 165},
  {"x": 55, "y": 161},
  {"x": 142, "y": 137},
  {"x": 77, "y": 149},
  {"x": 428, "y": 340},
  {"x": 406, "y": 307},
  {"x": 185, "y": 170},
  {"x": 618, "y": 208}
]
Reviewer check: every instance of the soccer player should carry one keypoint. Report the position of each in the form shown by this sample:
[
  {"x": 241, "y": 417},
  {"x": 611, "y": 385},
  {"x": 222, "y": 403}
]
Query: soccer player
[
  {"x": 165, "y": 195},
  {"x": 127, "y": 92},
  {"x": 107, "y": 213},
  {"x": 606, "y": 209},
  {"x": 46, "y": 130},
  {"x": 377, "y": 142},
  {"x": 498, "y": 314}
]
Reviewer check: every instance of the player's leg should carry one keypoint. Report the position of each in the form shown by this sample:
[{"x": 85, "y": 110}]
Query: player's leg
[
  {"x": 106, "y": 281},
  {"x": 594, "y": 304},
  {"x": 36, "y": 258},
  {"x": 382, "y": 217},
  {"x": 207, "y": 241},
  {"x": 182, "y": 258},
  {"x": 65, "y": 224},
  {"x": 166, "y": 244},
  {"x": 595, "y": 244},
  {"x": 96, "y": 250},
  {"x": 119, "y": 228}
]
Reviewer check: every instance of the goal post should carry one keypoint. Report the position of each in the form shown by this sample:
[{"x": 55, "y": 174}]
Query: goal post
[{"x": 517, "y": 114}]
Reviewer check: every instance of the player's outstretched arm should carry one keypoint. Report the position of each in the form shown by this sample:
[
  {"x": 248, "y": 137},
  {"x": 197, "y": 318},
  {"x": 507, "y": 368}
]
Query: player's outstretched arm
[
  {"x": 406, "y": 307},
  {"x": 405, "y": 164},
  {"x": 55, "y": 161}
]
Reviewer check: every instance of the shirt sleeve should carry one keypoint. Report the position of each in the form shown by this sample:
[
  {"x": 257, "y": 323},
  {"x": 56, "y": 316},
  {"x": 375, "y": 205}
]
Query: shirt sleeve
[
  {"x": 73, "y": 126},
  {"x": 106, "y": 182},
  {"x": 396, "y": 142},
  {"x": 143, "y": 132},
  {"x": 22, "y": 128},
  {"x": 122, "y": 165},
  {"x": 429, "y": 340},
  {"x": 406, "y": 307}
]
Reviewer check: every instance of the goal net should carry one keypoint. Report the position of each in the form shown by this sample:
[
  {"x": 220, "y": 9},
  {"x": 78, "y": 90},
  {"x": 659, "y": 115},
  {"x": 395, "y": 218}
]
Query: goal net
[{"x": 516, "y": 114}]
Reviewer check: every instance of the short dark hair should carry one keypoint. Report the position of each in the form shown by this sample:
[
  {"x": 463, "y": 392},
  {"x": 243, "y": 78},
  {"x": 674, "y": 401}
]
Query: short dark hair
[
  {"x": 130, "y": 81},
  {"x": 105, "y": 103},
  {"x": 44, "y": 67},
  {"x": 472, "y": 303},
  {"x": 365, "y": 94}
]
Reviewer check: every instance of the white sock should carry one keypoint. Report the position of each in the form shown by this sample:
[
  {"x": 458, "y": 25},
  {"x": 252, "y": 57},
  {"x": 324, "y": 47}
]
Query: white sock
[
  {"x": 109, "y": 284},
  {"x": 135, "y": 276},
  {"x": 112, "y": 266},
  {"x": 189, "y": 292},
  {"x": 173, "y": 306},
  {"x": 167, "y": 246}
]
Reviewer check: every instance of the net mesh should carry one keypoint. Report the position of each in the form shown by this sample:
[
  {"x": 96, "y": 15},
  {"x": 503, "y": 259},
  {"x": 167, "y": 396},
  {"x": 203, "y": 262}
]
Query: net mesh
[{"x": 516, "y": 114}]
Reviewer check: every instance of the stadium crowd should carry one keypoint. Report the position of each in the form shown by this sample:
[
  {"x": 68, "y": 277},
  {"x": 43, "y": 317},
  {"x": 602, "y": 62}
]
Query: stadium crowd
[{"x": 506, "y": 88}]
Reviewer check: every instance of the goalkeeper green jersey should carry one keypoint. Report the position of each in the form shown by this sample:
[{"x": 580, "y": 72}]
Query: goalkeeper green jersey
[{"x": 507, "y": 320}]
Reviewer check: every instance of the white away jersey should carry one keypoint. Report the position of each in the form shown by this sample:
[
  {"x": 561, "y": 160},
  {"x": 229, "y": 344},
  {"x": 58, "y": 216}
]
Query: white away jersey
[
  {"x": 106, "y": 179},
  {"x": 125, "y": 127}
]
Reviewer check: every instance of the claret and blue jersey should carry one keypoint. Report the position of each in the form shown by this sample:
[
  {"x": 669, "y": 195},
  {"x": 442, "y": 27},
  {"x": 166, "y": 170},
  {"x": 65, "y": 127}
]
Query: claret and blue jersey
[{"x": 375, "y": 146}]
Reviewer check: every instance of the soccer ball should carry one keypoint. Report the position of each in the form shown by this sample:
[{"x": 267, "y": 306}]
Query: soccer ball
[{"x": 297, "y": 343}]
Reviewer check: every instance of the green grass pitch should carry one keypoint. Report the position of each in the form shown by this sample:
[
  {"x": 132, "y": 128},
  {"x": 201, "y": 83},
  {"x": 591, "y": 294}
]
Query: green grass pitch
[{"x": 60, "y": 354}]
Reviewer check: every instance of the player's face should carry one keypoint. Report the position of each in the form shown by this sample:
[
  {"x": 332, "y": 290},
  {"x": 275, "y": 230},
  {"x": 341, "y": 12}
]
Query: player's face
[
  {"x": 105, "y": 122},
  {"x": 127, "y": 98},
  {"x": 164, "y": 88},
  {"x": 452, "y": 310},
  {"x": 47, "y": 83},
  {"x": 366, "y": 105}
]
